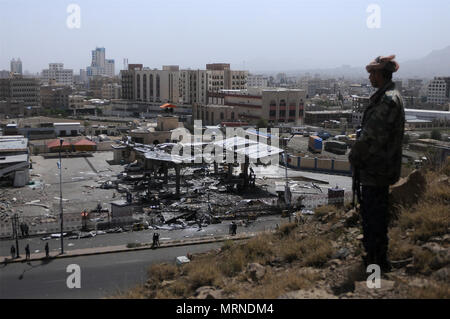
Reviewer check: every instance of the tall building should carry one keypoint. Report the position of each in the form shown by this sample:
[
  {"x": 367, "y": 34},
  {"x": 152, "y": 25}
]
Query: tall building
[
  {"x": 57, "y": 73},
  {"x": 19, "y": 88},
  {"x": 193, "y": 86},
  {"x": 100, "y": 65},
  {"x": 439, "y": 90},
  {"x": 127, "y": 81},
  {"x": 16, "y": 66},
  {"x": 221, "y": 77}
]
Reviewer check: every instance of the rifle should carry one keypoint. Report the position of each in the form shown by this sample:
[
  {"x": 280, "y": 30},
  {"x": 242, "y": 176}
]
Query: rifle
[{"x": 356, "y": 184}]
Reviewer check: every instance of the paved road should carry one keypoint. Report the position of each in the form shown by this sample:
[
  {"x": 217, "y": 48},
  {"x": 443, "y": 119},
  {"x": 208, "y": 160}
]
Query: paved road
[
  {"x": 261, "y": 224},
  {"x": 101, "y": 275}
]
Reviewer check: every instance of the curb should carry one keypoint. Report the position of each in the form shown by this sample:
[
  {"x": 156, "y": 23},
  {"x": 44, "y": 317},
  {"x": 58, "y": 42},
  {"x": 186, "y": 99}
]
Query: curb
[{"x": 123, "y": 248}]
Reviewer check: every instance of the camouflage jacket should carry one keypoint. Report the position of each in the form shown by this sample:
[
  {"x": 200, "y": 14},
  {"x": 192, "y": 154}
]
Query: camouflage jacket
[{"x": 378, "y": 151}]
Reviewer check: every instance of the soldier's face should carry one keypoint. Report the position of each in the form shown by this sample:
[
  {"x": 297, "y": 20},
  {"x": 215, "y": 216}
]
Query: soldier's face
[{"x": 376, "y": 79}]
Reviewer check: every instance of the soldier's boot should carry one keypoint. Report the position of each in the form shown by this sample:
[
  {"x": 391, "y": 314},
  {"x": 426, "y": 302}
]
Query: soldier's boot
[{"x": 383, "y": 261}]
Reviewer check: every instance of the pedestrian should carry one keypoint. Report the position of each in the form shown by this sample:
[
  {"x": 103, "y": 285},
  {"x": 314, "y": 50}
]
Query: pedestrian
[
  {"x": 22, "y": 229},
  {"x": 376, "y": 158},
  {"x": 47, "y": 251},
  {"x": 154, "y": 240},
  {"x": 157, "y": 239},
  {"x": 13, "y": 252},
  {"x": 27, "y": 251}
]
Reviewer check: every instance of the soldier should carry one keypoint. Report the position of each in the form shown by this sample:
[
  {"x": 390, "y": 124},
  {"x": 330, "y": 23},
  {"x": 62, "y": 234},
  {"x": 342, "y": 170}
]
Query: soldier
[
  {"x": 27, "y": 251},
  {"x": 376, "y": 158}
]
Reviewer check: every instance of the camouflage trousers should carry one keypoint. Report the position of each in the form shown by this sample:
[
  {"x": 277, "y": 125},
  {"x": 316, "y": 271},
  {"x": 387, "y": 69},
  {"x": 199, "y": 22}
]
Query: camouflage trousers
[{"x": 375, "y": 220}]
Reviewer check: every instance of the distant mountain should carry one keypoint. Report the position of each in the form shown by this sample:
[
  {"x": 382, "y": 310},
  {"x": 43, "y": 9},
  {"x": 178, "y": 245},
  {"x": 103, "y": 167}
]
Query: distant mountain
[{"x": 437, "y": 63}]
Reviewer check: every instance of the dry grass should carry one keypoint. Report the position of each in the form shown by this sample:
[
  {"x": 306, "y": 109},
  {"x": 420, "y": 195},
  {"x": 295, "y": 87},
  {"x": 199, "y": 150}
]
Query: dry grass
[
  {"x": 426, "y": 220},
  {"x": 434, "y": 291},
  {"x": 160, "y": 272},
  {"x": 276, "y": 284}
]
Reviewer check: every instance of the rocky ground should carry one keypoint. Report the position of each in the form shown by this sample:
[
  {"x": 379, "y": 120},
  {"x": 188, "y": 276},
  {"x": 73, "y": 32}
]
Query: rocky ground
[{"x": 320, "y": 256}]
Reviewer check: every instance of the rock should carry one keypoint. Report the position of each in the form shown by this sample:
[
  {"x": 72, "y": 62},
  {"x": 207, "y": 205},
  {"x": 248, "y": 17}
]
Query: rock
[
  {"x": 408, "y": 190},
  {"x": 208, "y": 292},
  {"x": 418, "y": 283},
  {"x": 308, "y": 294},
  {"x": 360, "y": 237},
  {"x": 385, "y": 285},
  {"x": 335, "y": 262},
  {"x": 351, "y": 218},
  {"x": 442, "y": 274},
  {"x": 341, "y": 253},
  {"x": 434, "y": 248},
  {"x": 256, "y": 271},
  {"x": 166, "y": 283}
]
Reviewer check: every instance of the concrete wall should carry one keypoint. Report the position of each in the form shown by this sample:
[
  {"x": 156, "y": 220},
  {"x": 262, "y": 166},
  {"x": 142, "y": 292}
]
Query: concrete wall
[
  {"x": 319, "y": 164},
  {"x": 307, "y": 162}
]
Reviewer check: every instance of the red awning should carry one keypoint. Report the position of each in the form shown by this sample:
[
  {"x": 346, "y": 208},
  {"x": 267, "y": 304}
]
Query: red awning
[
  {"x": 84, "y": 142},
  {"x": 167, "y": 105},
  {"x": 56, "y": 143}
]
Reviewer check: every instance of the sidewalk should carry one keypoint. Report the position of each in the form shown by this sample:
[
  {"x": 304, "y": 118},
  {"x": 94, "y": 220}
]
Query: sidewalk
[{"x": 124, "y": 248}]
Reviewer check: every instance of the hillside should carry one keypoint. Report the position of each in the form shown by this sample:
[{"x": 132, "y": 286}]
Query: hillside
[{"x": 319, "y": 256}]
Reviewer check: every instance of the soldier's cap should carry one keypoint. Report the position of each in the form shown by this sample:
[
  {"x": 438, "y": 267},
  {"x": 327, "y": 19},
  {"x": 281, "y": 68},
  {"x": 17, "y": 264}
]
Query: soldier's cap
[{"x": 383, "y": 63}]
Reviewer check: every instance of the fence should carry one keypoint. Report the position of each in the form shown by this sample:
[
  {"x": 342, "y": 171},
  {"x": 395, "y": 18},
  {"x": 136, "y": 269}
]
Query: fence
[{"x": 321, "y": 165}]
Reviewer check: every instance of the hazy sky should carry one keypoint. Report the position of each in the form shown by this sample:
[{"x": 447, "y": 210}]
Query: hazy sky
[{"x": 255, "y": 34}]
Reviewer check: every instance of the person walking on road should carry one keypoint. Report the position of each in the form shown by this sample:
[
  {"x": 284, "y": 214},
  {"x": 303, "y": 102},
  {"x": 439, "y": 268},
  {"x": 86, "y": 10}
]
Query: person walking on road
[
  {"x": 27, "y": 251},
  {"x": 13, "y": 252},
  {"x": 47, "y": 250}
]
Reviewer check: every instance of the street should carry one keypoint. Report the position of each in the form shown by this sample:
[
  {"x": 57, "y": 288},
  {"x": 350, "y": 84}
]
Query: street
[{"x": 101, "y": 275}]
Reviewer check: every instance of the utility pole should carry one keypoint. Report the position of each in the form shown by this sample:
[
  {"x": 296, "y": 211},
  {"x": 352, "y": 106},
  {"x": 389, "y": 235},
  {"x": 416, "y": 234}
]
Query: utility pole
[
  {"x": 60, "y": 196},
  {"x": 15, "y": 225}
]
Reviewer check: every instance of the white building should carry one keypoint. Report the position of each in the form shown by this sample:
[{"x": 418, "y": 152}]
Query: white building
[
  {"x": 16, "y": 66},
  {"x": 57, "y": 73},
  {"x": 156, "y": 85},
  {"x": 257, "y": 80},
  {"x": 439, "y": 90}
]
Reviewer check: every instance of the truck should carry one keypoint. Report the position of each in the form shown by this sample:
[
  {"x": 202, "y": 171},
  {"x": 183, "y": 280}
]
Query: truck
[
  {"x": 315, "y": 144},
  {"x": 336, "y": 147},
  {"x": 324, "y": 135}
]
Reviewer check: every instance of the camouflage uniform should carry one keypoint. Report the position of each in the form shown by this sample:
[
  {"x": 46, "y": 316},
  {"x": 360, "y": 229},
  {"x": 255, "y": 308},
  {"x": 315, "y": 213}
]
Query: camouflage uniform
[{"x": 377, "y": 155}]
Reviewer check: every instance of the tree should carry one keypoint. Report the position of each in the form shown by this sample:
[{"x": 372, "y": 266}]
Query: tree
[
  {"x": 436, "y": 135},
  {"x": 262, "y": 123}
]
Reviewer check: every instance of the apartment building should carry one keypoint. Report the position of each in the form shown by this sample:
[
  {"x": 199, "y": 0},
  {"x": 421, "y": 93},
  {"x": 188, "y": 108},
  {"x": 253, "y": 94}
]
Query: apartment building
[
  {"x": 439, "y": 90},
  {"x": 156, "y": 86},
  {"x": 19, "y": 88},
  {"x": 57, "y": 73},
  {"x": 257, "y": 80},
  {"x": 221, "y": 77},
  {"x": 193, "y": 86}
]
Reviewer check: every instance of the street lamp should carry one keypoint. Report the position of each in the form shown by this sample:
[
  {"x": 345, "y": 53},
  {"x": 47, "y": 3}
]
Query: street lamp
[{"x": 61, "y": 141}]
